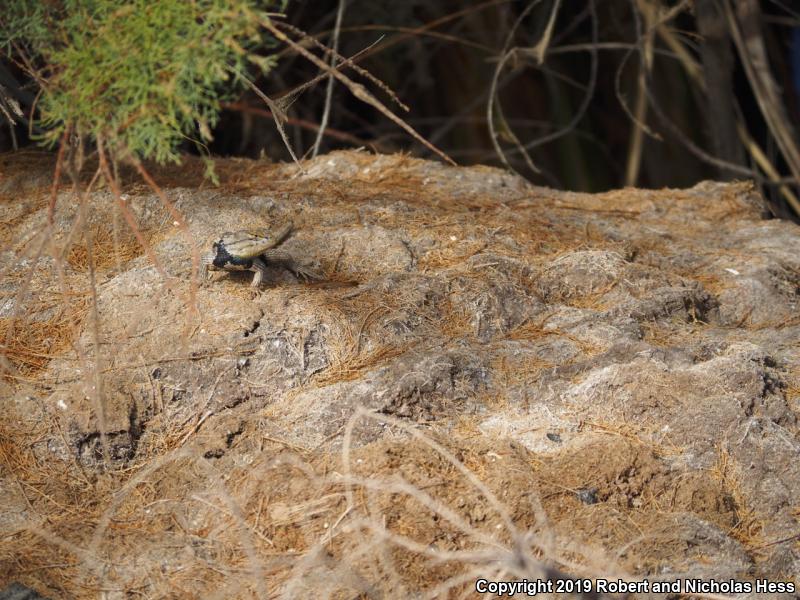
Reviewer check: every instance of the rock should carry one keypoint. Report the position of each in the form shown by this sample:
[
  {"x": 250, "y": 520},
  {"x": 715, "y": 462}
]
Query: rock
[{"x": 488, "y": 371}]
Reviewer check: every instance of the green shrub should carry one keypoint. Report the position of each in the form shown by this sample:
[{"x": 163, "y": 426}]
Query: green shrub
[{"x": 145, "y": 75}]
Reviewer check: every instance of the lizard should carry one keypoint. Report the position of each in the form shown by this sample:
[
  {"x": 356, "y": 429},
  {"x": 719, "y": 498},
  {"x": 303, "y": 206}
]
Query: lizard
[{"x": 247, "y": 251}]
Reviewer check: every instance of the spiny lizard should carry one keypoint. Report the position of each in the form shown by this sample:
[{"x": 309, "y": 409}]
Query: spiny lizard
[{"x": 246, "y": 251}]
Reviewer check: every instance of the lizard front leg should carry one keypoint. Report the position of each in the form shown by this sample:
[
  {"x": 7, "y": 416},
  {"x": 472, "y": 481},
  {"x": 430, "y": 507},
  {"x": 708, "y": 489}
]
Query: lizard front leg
[
  {"x": 206, "y": 264},
  {"x": 259, "y": 268}
]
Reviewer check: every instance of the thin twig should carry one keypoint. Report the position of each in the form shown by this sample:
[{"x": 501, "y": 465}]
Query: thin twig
[
  {"x": 589, "y": 89},
  {"x": 180, "y": 221},
  {"x": 329, "y": 91},
  {"x": 504, "y": 56},
  {"x": 358, "y": 90},
  {"x": 541, "y": 48},
  {"x": 126, "y": 211},
  {"x": 636, "y": 143}
]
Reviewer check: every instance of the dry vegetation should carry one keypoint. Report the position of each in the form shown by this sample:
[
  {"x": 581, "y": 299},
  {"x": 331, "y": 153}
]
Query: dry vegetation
[
  {"x": 46, "y": 332},
  {"x": 492, "y": 380},
  {"x": 223, "y": 495}
]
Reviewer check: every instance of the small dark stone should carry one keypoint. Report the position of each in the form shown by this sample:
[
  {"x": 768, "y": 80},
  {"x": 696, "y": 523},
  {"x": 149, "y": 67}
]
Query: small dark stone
[
  {"x": 554, "y": 437},
  {"x": 587, "y": 495}
]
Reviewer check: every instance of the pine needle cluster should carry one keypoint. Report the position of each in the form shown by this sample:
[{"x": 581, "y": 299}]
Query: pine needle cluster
[{"x": 144, "y": 76}]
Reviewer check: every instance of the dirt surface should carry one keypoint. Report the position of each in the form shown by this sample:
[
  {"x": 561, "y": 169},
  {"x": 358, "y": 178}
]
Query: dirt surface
[{"x": 489, "y": 380}]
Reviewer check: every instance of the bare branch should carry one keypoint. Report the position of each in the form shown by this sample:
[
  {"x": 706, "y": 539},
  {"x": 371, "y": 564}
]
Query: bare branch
[
  {"x": 329, "y": 90},
  {"x": 358, "y": 90}
]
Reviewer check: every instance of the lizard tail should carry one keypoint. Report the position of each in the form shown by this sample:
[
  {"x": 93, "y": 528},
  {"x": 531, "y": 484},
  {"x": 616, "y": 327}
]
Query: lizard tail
[{"x": 282, "y": 234}]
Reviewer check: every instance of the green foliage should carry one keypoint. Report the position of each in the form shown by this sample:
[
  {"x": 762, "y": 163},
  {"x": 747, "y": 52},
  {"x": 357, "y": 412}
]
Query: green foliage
[{"x": 144, "y": 75}]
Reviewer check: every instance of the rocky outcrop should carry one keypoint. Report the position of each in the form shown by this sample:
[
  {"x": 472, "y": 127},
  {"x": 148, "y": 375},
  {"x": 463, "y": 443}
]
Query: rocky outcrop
[{"x": 612, "y": 379}]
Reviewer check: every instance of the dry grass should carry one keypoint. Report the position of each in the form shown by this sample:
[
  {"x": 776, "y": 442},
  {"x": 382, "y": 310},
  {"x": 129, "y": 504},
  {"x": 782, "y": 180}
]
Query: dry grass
[
  {"x": 52, "y": 494},
  {"x": 107, "y": 251},
  {"x": 749, "y": 525},
  {"x": 672, "y": 333},
  {"x": 650, "y": 438},
  {"x": 281, "y": 516},
  {"x": 47, "y": 330},
  {"x": 422, "y": 510},
  {"x": 530, "y": 332},
  {"x": 793, "y": 385},
  {"x": 8, "y": 222}
]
